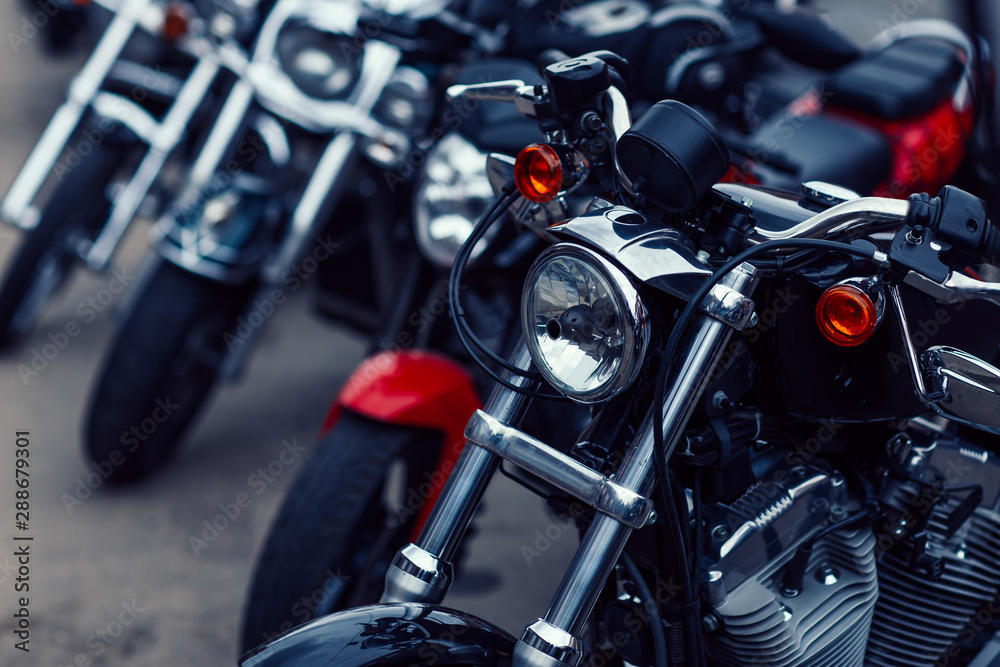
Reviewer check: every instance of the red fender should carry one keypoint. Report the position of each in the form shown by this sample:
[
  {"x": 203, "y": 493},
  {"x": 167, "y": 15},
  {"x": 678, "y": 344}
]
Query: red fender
[{"x": 413, "y": 388}]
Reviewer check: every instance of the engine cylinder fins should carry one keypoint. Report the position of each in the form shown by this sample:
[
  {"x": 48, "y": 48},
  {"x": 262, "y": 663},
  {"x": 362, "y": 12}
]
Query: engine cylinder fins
[
  {"x": 825, "y": 624},
  {"x": 918, "y": 620}
]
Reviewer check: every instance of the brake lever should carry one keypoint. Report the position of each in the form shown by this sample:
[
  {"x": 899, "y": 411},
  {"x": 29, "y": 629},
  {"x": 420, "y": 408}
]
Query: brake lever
[
  {"x": 955, "y": 288},
  {"x": 523, "y": 96}
]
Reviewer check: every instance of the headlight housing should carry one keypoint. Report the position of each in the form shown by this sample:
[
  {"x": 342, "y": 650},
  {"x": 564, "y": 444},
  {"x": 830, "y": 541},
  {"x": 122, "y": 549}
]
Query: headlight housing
[
  {"x": 586, "y": 328},
  {"x": 453, "y": 193},
  {"x": 230, "y": 18},
  {"x": 316, "y": 62}
]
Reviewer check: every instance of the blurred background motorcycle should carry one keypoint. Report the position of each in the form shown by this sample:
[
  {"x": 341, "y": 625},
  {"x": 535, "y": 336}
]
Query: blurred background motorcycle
[{"x": 112, "y": 150}]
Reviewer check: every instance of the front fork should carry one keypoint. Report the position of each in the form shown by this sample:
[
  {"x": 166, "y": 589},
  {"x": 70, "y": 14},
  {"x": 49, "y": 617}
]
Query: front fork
[
  {"x": 422, "y": 572},
  {"x": 16, "y": 208}
]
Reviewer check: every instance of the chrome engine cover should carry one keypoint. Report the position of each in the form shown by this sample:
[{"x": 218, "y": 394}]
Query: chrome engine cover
[{"x": 825, "y": 623}]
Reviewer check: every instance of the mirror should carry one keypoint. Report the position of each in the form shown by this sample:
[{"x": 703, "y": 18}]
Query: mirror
[{"x": 971, "y": 387}]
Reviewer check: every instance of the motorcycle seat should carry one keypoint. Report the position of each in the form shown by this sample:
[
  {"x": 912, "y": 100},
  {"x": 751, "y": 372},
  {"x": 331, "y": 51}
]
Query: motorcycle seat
[
  {"x": 905, "y": 79},
  {"x": 821, "y": 148}
]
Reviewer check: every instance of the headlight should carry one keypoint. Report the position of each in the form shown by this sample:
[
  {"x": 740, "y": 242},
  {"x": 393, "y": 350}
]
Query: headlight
[
  {"x": 229, "y": 18},
  {"x": 586, "y": 328},
  {"x": 316, "y": 62},
  {"x": 452, "y": 196}
]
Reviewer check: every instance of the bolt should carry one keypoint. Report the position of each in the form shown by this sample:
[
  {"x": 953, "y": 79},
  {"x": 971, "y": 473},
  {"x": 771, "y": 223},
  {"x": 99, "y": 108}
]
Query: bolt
[
  {"x": 591, "y": 121},
  {"x": 710, "y": 623},
  {"x": 721, "y": 401},
  {"x": 720, "y": 532},
  {"x": 916, "y": 235},
  {"x": 827, "y": 574}
]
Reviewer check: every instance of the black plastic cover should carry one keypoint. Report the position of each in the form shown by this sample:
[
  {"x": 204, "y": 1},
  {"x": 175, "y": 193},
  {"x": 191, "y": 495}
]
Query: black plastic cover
[
  {"x": 906, "y": 79},
  {"x": 576, "y": 80},
  {"x": 673, "y": 155}
]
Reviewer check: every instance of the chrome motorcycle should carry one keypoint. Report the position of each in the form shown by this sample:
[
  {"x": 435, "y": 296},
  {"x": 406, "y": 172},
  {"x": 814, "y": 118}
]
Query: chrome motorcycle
[
  {"x": 104, "y": 155},
  {"x": 791, "y": 454}
]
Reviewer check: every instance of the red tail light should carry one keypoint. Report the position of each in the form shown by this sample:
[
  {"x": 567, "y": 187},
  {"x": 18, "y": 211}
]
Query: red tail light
[
  {"x": 538, "y": 173},
  {"x": 846, "y": 315}
]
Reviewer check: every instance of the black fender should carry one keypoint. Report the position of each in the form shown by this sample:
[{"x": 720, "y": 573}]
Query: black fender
[{"x": 405, "y": 634}]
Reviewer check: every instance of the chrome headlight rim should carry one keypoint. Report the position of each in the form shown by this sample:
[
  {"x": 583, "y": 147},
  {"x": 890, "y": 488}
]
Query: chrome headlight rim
[
  {"x": 636, "y": 325},
  {"x": 442, "y": 251}
]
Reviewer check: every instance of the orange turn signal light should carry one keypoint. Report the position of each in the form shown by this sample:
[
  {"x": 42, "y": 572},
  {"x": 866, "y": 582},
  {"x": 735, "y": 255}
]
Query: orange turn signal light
[
  {"x": 846, "y": 315},
  {"x": 175, "y": 21},
  {"x": 538, "y": 173}
]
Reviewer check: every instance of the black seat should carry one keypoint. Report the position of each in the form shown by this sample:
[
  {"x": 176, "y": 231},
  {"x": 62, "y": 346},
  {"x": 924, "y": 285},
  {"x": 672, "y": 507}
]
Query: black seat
[
  {"x": 906, "y": 79},
  {"x": 821, "y": 148}
]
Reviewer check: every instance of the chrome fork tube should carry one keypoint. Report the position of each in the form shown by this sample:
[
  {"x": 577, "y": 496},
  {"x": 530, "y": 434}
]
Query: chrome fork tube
[
  {"x": 67, "y": 117},
  {"x": 553, "y": 641},
  {"x": 230, "y": 120},
  {"x": 162, "y": 143},
  {"x": 422, "y": 572}
]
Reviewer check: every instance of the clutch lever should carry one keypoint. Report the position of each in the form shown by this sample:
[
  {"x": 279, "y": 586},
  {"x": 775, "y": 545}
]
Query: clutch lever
[{"x": 523, "y": 96}]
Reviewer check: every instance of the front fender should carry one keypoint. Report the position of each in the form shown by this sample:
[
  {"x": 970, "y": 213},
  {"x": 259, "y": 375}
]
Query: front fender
[
  {"x": 413, "y": 388},
  {"x": 401, "y": 635}
]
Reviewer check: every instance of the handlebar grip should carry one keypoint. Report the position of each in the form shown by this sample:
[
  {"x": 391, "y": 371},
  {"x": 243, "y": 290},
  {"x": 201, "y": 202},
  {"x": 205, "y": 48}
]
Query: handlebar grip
[{"x": 991, "y": 253}]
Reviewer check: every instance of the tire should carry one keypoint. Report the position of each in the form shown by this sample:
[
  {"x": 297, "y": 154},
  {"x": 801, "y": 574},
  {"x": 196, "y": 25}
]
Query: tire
[
  {"x": 45, "y": 255},
  {"x": 332, "y": 540},
  {"x": 160, "y": 371}
]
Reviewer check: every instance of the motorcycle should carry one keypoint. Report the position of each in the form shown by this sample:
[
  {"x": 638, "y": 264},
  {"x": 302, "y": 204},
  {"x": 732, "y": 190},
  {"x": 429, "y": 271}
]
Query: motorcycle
[
  {"x": 106, "y": 152},
  {"x": 392, "y": 437},
  {"x": 790, "y": 453},
  {"x": 235, "y": 244}
]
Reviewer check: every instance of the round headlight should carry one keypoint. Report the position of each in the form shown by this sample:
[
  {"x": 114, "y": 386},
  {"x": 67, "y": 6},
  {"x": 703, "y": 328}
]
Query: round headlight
[
  {"x": 453, "y": 194},
  {"x": 316, "y": 61},
  {"x": 230, "y": 18},
  {"x": 585, "y": 326}
]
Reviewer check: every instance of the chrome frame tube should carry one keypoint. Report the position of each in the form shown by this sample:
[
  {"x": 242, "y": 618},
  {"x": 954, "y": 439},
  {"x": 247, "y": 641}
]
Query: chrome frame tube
[
  {"x": 421, "y": 571},
  {"x": 162, "y": 142},
  {"x": 85, "y": 85},
  {"x": 605, "y": 539}
]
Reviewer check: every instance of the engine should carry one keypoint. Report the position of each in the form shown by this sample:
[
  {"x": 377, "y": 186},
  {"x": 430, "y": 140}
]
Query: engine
[{"x": 790, "y": 580}]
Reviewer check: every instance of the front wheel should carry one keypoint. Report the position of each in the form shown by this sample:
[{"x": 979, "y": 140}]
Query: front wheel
[
  {"x": 77, "y": 209},
  {"x": 353, "y": 506},
  {"x": 160, "y": 371}
]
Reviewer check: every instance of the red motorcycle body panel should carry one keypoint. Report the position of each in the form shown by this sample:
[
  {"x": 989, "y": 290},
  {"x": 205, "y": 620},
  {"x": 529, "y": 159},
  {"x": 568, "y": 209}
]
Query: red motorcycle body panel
[{"x": 413, "y": 388}]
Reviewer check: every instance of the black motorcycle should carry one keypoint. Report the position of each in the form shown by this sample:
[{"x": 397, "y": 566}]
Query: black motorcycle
[{"x": 790, "y": 453}]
